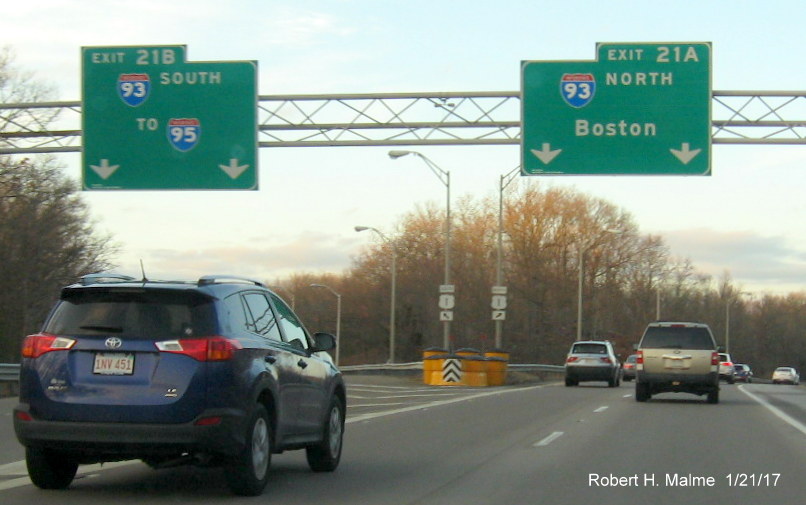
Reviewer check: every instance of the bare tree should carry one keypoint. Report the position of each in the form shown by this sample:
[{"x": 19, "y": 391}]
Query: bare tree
[
  {"x": 17, "y": 86},
  {"x": 46, "y": 235}
]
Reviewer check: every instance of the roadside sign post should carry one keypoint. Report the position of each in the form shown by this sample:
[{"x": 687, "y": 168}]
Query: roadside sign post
[
  {"x": 152, "y": 120},
  {"x": 447, "y": 302},
  {"x": 638, "y": 109},
  {"x": 499, "y": 303}
]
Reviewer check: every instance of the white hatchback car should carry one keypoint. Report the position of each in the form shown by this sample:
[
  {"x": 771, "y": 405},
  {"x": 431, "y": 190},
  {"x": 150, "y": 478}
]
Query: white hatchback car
[
  {"x": 785, "y": 375},
  {"x": 592, "y": 360}
]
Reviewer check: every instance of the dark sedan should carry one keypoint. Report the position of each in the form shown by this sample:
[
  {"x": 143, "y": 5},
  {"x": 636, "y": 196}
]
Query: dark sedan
[{"x": 743, "y": 373}]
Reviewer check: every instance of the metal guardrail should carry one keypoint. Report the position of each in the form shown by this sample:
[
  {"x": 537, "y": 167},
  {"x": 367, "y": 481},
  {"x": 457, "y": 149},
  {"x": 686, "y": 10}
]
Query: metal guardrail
[
  {"x": 9, "y": 372},
  {"x": 418, "y": 365}
]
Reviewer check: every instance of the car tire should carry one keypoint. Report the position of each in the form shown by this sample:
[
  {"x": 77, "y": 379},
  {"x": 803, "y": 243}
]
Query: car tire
[
  {"x": 713, "y": 396},
  {"x": 571, "y": 382},
  {"x": 325, "y": 456},
  {"x": 48, "y": 469},
  {"x": 642, "y": 392},
  {"x": 731, "y": 380},
  {"x": 248, "y": 472}
]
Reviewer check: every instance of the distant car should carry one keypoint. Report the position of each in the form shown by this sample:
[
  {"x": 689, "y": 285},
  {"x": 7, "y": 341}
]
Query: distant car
[
  {"x": 628, "y": 368},
  {"x": 592, "y": 360},
  {"x": 726, "y": 370},
  {"x": 743, "y": 373},
  {"x": 785, "y": 375},
  {"x": 214, "y": 372}
]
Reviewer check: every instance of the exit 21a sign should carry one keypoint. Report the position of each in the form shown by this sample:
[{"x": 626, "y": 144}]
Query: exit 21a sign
[{"x": 637, "y": 109}]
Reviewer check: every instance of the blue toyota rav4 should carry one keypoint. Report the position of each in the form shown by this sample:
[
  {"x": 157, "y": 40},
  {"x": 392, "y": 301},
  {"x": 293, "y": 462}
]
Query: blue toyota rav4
[{"x": 214, "y": 372}]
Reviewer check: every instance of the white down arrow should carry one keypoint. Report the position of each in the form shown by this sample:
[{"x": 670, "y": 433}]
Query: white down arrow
[{"x": 234, "y": 170}]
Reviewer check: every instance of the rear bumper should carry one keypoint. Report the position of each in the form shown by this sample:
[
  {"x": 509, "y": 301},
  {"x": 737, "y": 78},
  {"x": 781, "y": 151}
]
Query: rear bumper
[
  {"x": 675, "y": 382},
  {"x": 96, "y": 442},
  {"x": 590, "y": 373}
]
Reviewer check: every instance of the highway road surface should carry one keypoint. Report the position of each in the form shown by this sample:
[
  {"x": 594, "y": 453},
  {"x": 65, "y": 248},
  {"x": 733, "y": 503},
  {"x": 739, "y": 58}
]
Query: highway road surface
[{"x": 531, "y": 444}]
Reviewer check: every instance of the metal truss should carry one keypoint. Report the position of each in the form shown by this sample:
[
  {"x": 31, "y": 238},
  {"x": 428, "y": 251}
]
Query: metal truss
[{"x": 411, "y": 119}]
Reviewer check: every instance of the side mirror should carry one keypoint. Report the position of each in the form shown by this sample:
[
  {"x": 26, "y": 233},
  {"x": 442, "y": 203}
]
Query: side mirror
[
  {"x": 720, "y": 348},
  {"x": 323, "y": 342}
]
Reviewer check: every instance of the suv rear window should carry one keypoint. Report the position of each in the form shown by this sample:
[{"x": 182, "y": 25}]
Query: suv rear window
[
  {"x": 589, "y": 349},
  {"x": 677, "y": 337},
  {"x": 138, "y": 314}
]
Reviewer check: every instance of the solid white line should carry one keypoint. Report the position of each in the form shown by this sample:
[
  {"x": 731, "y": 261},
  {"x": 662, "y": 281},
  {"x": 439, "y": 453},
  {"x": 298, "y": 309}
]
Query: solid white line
[
  {"x": 358, "y": 406},
  {"x": 437, "y": 403},
  {"x": 549, "y": 439},
  {"x": 601, "y": 409},
  {"x": 380, "y": 386},
  {"x": 775, "y": 410},
  {"x": 83, "y": 470},
  {"x": 409, "y": 396},
  {"x": 12, "y": 483}
]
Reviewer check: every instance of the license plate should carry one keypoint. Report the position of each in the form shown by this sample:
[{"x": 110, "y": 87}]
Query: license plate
[
  {"x": 674, "y": 363},
  {"x": 113, "y": 363}
]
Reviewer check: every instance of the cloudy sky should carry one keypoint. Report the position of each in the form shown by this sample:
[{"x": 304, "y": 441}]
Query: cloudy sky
[{"x": 747, "y": 218}]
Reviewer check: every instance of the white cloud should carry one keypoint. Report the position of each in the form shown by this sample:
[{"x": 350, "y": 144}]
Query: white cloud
[
  {"x": 261, "y": 258},
  {"x": 766, "y": 263}
]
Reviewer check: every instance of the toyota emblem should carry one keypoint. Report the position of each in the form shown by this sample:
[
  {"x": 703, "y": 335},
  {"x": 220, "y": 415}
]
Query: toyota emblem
[{"x": 113, "y": 343}]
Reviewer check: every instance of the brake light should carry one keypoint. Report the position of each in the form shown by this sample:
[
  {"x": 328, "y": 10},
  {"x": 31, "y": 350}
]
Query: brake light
[
  {"x": 715, "y": 358},
  {"x": 639, "y": 360},
  {"x": 571, "y": 359},
  {"x": 23, "y": 416},
  {"x": 35, "y": 346},
  {"x": 605, "y": 360},
  {"x": 209, "y": 421},
  {"x": 202, "y": 349}
]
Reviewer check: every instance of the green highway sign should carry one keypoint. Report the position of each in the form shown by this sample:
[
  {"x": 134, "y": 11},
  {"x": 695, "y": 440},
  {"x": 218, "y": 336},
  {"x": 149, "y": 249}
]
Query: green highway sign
[
  {"x": 638, "y": 109},
  {"x": 152, "y": 120}
]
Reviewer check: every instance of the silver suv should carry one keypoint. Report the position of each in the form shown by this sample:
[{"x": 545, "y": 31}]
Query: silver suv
[
  {"x": 592, "y": 360},
  {"x": 677, "y": 357}
]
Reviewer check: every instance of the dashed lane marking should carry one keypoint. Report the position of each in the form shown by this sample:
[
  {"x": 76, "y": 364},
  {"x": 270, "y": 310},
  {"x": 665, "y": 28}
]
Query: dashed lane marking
[{"x": 549, "y": 439}]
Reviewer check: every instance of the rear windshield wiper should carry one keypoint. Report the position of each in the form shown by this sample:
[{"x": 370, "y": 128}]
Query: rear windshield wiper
[{"x": 105, "y": 329}]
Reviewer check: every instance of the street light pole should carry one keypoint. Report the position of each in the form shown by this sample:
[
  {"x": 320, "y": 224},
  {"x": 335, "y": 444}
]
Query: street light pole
[
  {"x": 579, "y": 292},
  {"x": 580, "y": 266},
  {"x": 393, "y": 303},
  {"x": 728, "y": 303},
  {"x": 503, "y": 181},
  {"x": 444, "y": 177},
  {"x": 338, "y": 317}
]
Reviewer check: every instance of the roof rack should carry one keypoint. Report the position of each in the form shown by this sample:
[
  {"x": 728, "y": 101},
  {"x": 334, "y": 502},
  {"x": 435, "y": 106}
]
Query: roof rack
[
  {"x": 99, "y": 277},
  {"x": 217, "y": 279}
]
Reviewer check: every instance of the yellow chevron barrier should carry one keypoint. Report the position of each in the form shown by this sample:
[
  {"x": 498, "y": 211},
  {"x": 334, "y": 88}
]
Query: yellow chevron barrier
[{"x": 467, "y": 367}]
